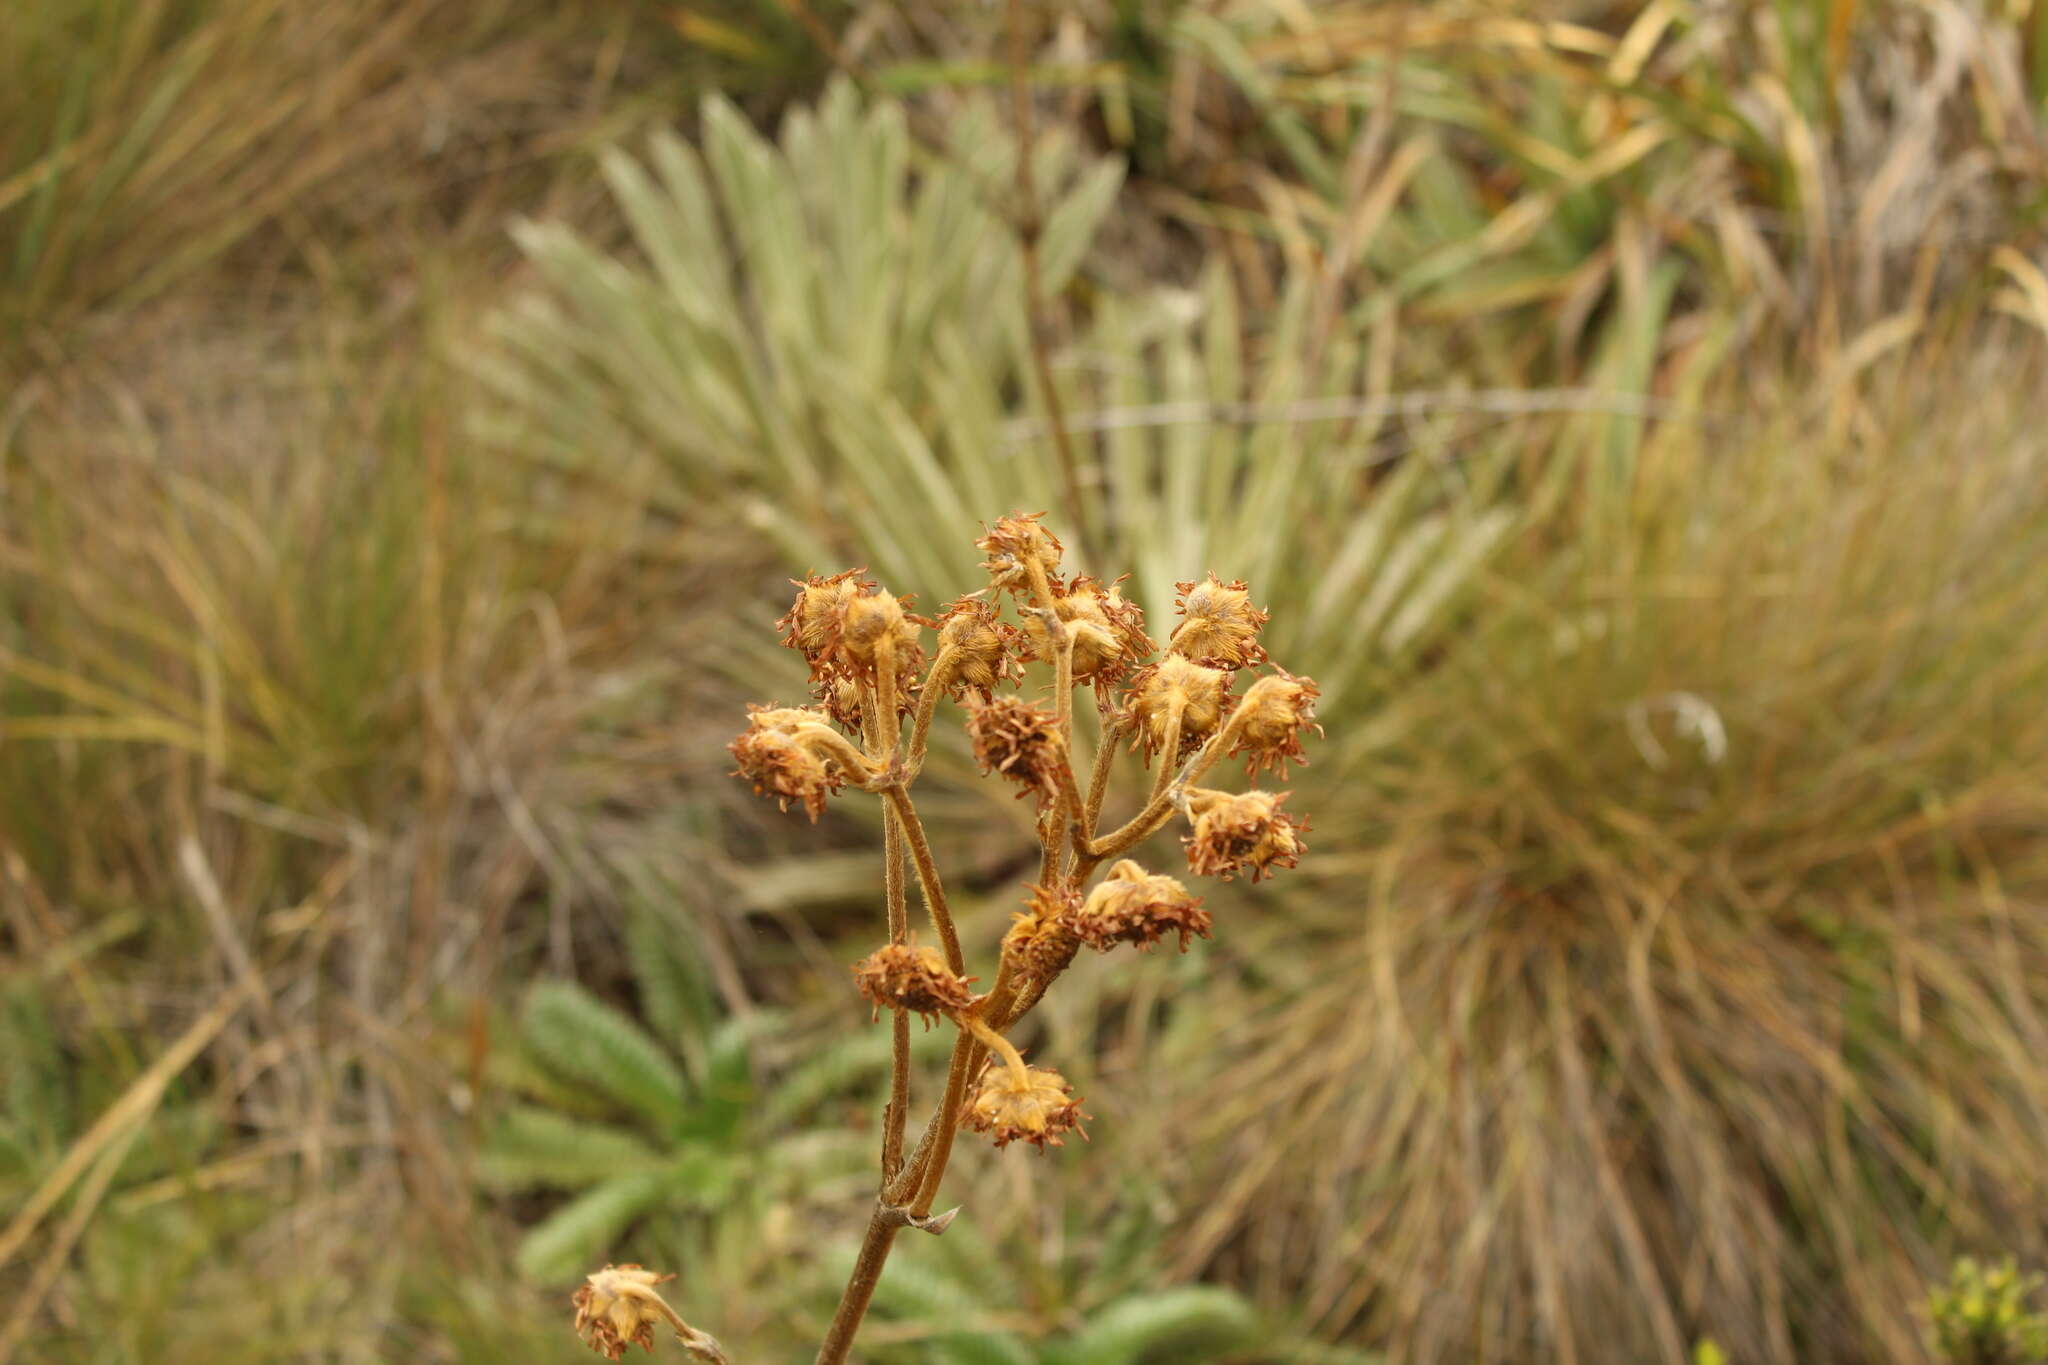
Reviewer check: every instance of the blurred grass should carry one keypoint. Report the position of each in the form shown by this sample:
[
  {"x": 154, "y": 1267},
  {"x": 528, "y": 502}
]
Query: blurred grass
[{"x": 1635, "y": 428}]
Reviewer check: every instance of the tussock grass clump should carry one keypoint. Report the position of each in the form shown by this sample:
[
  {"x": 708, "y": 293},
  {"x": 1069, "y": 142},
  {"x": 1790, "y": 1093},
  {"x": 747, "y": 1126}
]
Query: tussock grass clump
[{"x": 1687, "y": 973}]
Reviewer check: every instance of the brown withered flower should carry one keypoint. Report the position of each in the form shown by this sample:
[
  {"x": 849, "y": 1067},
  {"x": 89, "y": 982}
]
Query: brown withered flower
[
  {"x": 1040, "y": 941},
  {"x": 1200, "y": 692},
  {"x": 1271, "y": 718},
  {"x": 1219, "y": 625},
  {"x": 1132, "y": 905},
  {"x": 1015, "y": 542},
  {"x": 779, "y": 764},
  {"x": 1236, "y": 832},
  {"x": 811, "y": 625},
  {"x": 1108, "y": 630},
  {"x": 982, "y": 644},
  {"x": 1034, "y": 1105},
  {"x": 912, "y": 977},
  {"x": 1018, "y": 740},
  {"x": 618, "y": 1307}
]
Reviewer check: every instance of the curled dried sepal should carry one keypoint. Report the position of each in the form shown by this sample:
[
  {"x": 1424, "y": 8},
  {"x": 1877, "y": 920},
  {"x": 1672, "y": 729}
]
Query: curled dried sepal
[
  {"x": 1219, "y": 625},
  {"x": 1271, "y": 719},
  {"x": 1240, "y": 832},
  {"x": 1108, "y": 630},
  {"x": 1132, "y": 905},
  {"x": 618, "y": 1307},
  {"x": 780, "y": 764},
  {"x": 1041, "y": 942},
  {"x": 1021, "y": 741},
  {"x": 983, "y": 647},
  {"x": 1034, "y": 1105},
  {"x": 911, "y": 977},
  {"x": 1013, "y": 544},
  {"x": 1200, "y": 692}
]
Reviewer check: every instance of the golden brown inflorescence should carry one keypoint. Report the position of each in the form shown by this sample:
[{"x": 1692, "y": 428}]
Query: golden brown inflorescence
[
  {"x": 1199, "y": 696},
  {"x": 907, "y": 976},
  {"x": 773, "y": 754},
  {"x": 1219, "y": 625},
  {"x": 1041, "y": 941},
  {"x": 1034, "y": 1105},
  {"x": 1019, "y": 741},
  {"x": 618, "y": 1307},
  {"x": 1240, "y": 832},
  {"x": 1134, "y": 906},
  {"x": 984, "y": 648},
  {"x": 1190, "y": 709},
  {"x": 1270, "y": 720}
]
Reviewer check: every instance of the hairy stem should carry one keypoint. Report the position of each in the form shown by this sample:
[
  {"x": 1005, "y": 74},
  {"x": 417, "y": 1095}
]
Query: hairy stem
[
  {"x": 998, "y": 1044},
  {"x": 927, "y": 704},
  {"x": 1098, "y": 776},
  {"x": 860, "y": 1286},
  {"x": 927, "y": 876}
]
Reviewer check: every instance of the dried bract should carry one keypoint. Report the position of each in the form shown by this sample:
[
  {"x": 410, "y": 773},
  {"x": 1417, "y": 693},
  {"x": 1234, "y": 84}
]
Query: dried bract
[
  {"x": 1132, "y": 905},
  {"x": 908, "y": 976},
  {"x": 1199, "y": 693},
  {"x": 1034, "y": 1106},
  {"x": 1018, "y": 740},
  {"x": 1237, "y": 832},
  {"x": 618, "y": 1307},
  {"x": 1271, "y": 719},
  {"x": 1219, "y": 625}
]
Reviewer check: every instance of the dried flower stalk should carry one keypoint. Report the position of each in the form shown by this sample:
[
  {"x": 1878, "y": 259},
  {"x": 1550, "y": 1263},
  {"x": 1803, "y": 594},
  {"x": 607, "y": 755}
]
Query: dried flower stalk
[{"x": 867, "y": 661}]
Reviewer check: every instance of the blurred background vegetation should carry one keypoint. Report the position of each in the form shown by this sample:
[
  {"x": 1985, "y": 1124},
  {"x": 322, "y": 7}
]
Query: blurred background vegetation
[{"x": 410, "y": 413}]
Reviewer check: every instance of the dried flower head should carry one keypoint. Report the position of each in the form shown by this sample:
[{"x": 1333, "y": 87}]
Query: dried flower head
[
  {"x": 1041, "y": 942},
  {"x": 1200, "y": 693},
  {"x": 1271, "y": 718},
  {"x": 840, "y": 695},
  {"x": 779, "y": 764},
  {"x": 1132, "y": 905},
  {"x": 811, "y": 625},
  {"x": 982, "y": 644},
  {"x": 1219, "y": 625},
  {"x": 1235, "y": 832},
  {"x": 1013, "y": 544},
  {"x": 1036, "y": 1106},
  {"x": 618, "y": 1306},
  {"x": 1018, "y": 740},
  {"x": 1108, "y": 630},
  {"x": 908, "y": 976}
]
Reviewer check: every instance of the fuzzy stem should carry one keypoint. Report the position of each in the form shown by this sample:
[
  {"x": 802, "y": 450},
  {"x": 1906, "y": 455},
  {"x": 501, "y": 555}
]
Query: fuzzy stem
[
  {"x": 836, "y": 747},
  {"x": 928, "y": 703},
  {"x": 1169, "y": 747},
  {"x": 897, "y": 1113},
  {"x": 1000, "y": 1045},
  {"x": 860, "y": 1287},
  {"x": 1098, "y": 777},
  {"x": 927, "y": 877}
]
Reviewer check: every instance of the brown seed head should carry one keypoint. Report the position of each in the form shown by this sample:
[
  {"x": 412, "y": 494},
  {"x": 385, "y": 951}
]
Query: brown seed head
[
  {"x": 982, "y": 645},
  {"x": 618, "y": 1307},
  {"x": 1018, "y": 740},
  {"x": 1131, "y": 905},
  {"x": 1037, "y": 1107},
  {"x": 1271, "y": 719},
  {"x": 907, "y": 976},
  {"x": 1203, "y": 695},
  {"x": 1219, "y": 625},
  {"x": 1239, "y": 832},
  {"x": 779, "y": 764},
  {"x": 1040, "y": 941},
  {"x": 812, "y": 624},
  {"x": 1108, "y": 629},
  {"x": 1013, "y": 543}
]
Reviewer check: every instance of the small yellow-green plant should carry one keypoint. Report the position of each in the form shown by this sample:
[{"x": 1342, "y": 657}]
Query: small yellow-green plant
[
  {"x": 868, "y": 666},
  {"x": 1981, "y": 1316}
]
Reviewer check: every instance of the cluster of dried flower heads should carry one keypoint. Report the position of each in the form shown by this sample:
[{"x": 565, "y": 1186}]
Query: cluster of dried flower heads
[{"x": 871, "y": 675}]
